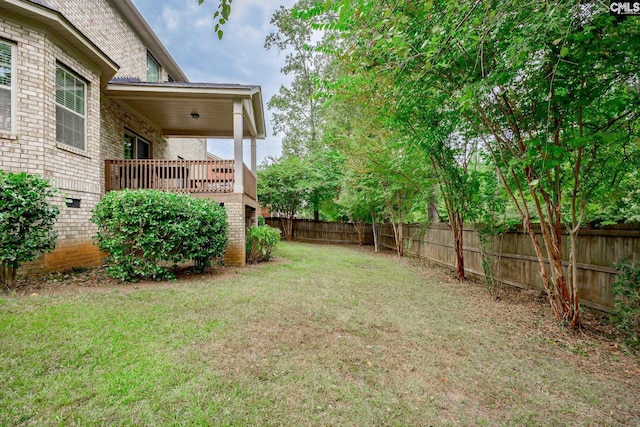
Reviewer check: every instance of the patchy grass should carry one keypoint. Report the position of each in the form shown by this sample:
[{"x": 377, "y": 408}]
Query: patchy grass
[{"x": 327, "y": 335}]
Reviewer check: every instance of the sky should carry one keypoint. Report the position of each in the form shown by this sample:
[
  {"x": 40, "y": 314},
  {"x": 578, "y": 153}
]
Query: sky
[{"x": 187, "y": 31}]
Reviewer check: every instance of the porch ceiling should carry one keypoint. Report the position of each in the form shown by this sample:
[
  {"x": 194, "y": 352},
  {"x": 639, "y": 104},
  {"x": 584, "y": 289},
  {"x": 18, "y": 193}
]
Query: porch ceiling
[{"x": 170, "y": 105}]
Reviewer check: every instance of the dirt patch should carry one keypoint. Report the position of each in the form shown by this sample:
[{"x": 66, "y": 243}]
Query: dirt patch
[
  {"x": 97, "y": 280},
  {"x": 596, "y": 340}
]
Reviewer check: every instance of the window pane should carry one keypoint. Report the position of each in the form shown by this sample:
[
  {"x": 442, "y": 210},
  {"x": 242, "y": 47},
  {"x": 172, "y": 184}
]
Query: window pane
[
  {"x": 78, "y": 132},
  {"x": 153, "y": 69},
  {"x": 69, "y": 82},
  {"x": 60, "y": 86},
  {"x": 69, "y": 91},
  {"x": 128, "y": 146},
  {"x": 5, "y": 64},
  {"x": 70, "y": 94},
  {"x": 79, "y": 97},
  {"x": 143, "y": 150},
  {"x": 6, "y": 51},
  {"x": 5, "y": 109}
]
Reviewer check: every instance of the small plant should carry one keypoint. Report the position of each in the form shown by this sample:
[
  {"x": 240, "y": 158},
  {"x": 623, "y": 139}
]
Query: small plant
[
  {"x": 144, "y": 230},
  {"x": 490, "y": 237},
  {"x": 261, "y": 241},
  {"x": 626, "y": 306},
  {"x": 27, "y": 218}
]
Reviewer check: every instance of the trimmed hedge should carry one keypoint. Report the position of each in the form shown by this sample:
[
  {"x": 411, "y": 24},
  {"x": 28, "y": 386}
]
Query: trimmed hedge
[
  {"x": 142, "y": 229},
  {"x": 261, "y": 241}
]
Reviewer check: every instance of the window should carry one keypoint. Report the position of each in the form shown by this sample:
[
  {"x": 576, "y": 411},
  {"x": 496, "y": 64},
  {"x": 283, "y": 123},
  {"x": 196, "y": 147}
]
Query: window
[
  {"x": 70, "y": 108},
  {"x": 153, "y": 69},
  {"x": 136, "y": 147},
  {"x": 7, "y": 86}
]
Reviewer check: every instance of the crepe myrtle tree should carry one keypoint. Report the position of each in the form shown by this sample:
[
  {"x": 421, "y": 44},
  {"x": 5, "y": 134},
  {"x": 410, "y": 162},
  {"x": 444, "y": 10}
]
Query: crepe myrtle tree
[{"x": 551, "y": 91}]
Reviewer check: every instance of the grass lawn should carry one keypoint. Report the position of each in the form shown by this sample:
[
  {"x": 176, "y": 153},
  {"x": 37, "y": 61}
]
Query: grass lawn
[{"x": 325, "y": 335}]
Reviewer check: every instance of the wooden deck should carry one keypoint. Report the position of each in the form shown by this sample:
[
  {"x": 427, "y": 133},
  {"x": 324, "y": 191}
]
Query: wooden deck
[{"x": 181, "y": 176}]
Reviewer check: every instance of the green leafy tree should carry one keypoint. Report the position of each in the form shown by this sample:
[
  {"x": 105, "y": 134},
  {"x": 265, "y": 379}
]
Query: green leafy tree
[
  {"x": 625, "y": 313},
  {"x": 550, "y": 90},
  {"x": 324, "y": 171},
  {"x": 378, "y": 153},
  {"x": 619, "y": 203},
  {"x": 221, "y": 16},
  {"x": 281, "y": 186},
  {"x": 556, "y": 106},
  {"x": 297, "y": 108},
  {"x": 27, "y": 219},
  {"x": 361, "y": 201},
  {"x": 450, "y": 155}
]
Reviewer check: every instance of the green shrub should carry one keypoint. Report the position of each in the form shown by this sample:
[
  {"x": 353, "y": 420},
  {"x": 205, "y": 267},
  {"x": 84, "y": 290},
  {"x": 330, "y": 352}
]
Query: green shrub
[
  {"x": 261, "y": 241},
  {"x": 144, "y": 230},
  {"x": 26, "y": 221},
  {"x": 626, "y": 306}
]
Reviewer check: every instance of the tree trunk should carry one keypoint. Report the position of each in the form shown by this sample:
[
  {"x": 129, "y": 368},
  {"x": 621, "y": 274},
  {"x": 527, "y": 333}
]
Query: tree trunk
[
  {"x": 8, "y": 275},
  {"x": 375, "y": 231},
  {"x": 400, "y": 239},
  {"x": 573, "y": 279},
  {"x": 287, "y": 227},
  {"x": 396, "y": 222},
  {"x": 561, "y": 303},
  {"x": 432, "y": 209},
  {"x": 397, "y": 234},
  {"x": 458, "y": 244}
]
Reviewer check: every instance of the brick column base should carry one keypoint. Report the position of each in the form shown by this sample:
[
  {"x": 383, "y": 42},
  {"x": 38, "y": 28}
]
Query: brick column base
[{"x": 236, "y": 248}]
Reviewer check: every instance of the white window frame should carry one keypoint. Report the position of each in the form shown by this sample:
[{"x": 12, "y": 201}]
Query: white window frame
[
  {"x": 12, "y": 87},
  {"x": 85, "y": 86}
]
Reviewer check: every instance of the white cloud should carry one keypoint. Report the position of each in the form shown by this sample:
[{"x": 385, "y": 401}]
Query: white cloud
[{"x": 187, "y": 31}]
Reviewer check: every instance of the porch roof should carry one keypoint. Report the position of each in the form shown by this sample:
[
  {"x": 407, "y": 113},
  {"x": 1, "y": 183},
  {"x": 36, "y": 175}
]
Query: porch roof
[{"x": 172, "y": 106}]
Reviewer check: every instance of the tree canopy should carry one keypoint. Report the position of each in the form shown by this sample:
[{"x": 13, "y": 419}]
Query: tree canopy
[{"x": 542, "y": 98}]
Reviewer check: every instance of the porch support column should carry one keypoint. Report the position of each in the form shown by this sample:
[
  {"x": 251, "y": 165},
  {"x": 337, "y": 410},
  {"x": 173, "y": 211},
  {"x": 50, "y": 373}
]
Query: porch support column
[
  {"x": 254, "y": 166},
  {"x": 236, "y": 215},
  {"x": 237, "y": 147}
]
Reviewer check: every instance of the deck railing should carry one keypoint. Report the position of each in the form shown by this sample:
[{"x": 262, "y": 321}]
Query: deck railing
[
  {"x": 250, "y": 187},
  {"x": 184, "y": 176}
]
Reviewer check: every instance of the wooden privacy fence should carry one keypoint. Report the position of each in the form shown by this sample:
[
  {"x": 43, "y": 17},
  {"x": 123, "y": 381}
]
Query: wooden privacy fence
[
  {"x": 326, "y": 232},
  {"x": 514, "y": 259}
]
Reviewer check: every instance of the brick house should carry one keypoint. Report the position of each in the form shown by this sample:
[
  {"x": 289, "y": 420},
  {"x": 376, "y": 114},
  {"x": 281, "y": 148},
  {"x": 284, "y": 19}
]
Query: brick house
[{"x": 92, "y": 100}]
